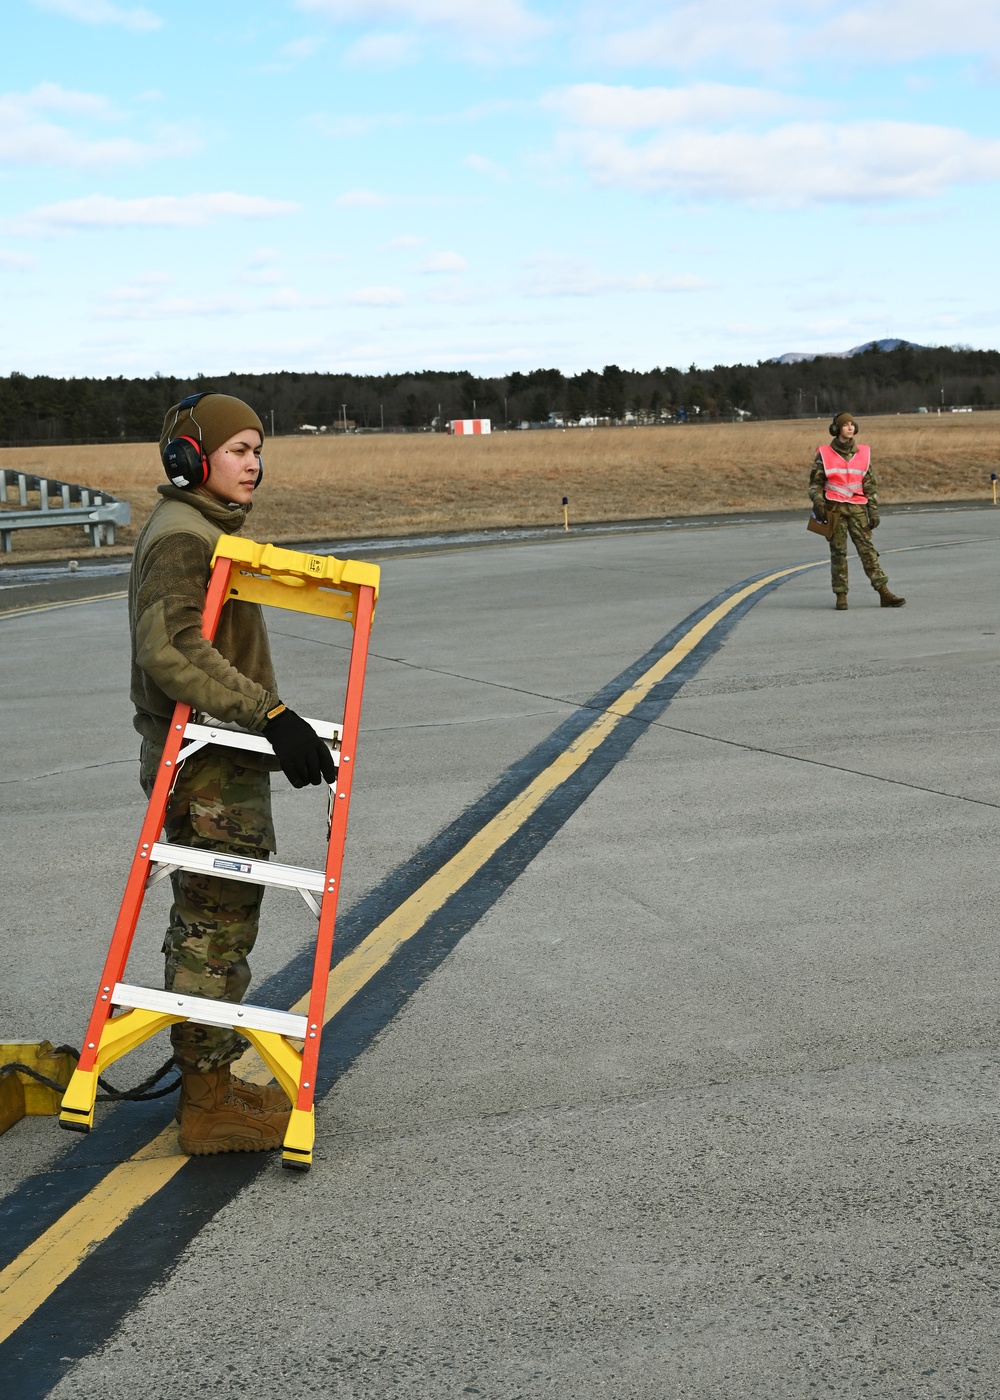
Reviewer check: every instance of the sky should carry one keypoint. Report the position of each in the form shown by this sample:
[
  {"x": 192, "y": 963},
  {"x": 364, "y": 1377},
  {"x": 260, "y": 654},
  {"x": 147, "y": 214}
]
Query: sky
[{"x": 374, "y": 186}]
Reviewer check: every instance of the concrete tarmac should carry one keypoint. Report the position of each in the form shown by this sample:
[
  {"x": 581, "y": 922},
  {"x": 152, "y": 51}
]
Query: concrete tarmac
[{"x": 706, "y": 1104}]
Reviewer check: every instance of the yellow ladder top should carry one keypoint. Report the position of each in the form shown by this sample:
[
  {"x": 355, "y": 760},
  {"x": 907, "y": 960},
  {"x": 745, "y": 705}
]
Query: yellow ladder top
[{"x": 289, "y": 578}]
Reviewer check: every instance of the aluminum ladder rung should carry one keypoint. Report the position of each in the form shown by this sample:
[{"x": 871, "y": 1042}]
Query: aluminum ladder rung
[
  {"x": 225, "y": 866},
  {"x": 210, "y": 733},
  {"x": 210, "y": 1013}
]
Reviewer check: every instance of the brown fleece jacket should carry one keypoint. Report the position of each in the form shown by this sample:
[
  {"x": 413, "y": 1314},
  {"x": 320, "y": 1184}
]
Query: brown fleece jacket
[{"x": 231, "y": 679}]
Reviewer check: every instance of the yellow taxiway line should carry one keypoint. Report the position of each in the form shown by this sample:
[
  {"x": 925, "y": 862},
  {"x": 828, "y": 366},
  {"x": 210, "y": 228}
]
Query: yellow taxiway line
[{"x": 68, "y": 603}]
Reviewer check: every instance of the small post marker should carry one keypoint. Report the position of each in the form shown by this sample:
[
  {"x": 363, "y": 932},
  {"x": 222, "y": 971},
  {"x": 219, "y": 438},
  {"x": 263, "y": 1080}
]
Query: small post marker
[
  {"x": 993, "y": 479},
  {"x": 566, "y": 506}
]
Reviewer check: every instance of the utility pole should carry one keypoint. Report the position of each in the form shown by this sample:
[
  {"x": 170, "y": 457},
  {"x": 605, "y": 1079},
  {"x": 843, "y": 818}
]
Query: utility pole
[
  {"x": 272, "y": 422},
  {"x": 343, "y": 410}
]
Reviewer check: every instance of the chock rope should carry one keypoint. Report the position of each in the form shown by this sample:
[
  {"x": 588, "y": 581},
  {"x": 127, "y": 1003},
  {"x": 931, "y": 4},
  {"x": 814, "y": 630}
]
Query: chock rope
[{"x": 111, "y": 1095}]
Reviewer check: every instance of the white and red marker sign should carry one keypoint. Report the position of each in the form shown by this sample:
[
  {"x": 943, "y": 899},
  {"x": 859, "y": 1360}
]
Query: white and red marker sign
[{"x": 466, "y": 427}]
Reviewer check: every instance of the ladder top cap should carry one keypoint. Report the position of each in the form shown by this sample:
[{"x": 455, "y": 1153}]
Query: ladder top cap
[{"x": 295, "y": 567}]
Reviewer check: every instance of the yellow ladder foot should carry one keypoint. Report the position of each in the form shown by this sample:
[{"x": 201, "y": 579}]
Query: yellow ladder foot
[
  {"x": 77, "y": 1113},
  {"x": 300, "y": 1135}
]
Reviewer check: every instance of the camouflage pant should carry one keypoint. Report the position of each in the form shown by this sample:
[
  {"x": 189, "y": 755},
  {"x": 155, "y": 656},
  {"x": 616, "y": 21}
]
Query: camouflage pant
[
  {"x": 219, "y": 804},
  {"x": 854, "y": 520}
]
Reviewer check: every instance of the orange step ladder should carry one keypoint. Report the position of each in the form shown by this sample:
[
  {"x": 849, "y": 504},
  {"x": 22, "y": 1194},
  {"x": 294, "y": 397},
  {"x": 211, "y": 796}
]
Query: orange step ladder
[{"x": 124, "y": 1016}]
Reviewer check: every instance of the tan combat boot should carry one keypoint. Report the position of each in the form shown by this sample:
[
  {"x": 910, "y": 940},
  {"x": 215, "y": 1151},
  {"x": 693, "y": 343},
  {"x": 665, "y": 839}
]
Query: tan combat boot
[
  {"x": 841, "y": 602},
  {"x": 266, "y": 1097},
  {"x": 214, "y": 1119},
  {"x": 889, "y": 600}
]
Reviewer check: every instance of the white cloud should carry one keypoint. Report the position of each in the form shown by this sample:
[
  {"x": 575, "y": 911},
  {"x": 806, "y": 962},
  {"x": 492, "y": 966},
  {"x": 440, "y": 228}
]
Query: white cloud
[
  {"x": 362, "y": 199},
  {"x": 444, "y": 262},
  {"x": 17, "y": 262},
  {"x": 770, "y": 34},
  {"x": 794, "y": 164},
  {"x": 143, "y": 299},
  {"x": 633, "y": 109},
  {"x": 376, "y": 296},
  {"x": 101, "y": 12},
  {"x": 898, "y": 31},
  {"x": 139, "y": 287},
  {"x": 382, "y": 51},
  {"x": 348, "y": 128},
  {"x": 297, "y": 50},
  {"x": 265, "y": 275},
  {"x": 29, "y": 137},
  {"x": 484, "y": 166},
  {"x": 51, "y": 97},
  {"x": 503, "y": 21},
  {"x": 156, "y": 211},
  {"x": 678, "y": 36},
  {"x": 556, "y": 276}
]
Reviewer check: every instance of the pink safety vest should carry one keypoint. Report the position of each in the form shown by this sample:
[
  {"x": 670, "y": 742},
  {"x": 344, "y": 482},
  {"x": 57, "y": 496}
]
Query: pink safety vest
[{"x": 844, "y": 477}]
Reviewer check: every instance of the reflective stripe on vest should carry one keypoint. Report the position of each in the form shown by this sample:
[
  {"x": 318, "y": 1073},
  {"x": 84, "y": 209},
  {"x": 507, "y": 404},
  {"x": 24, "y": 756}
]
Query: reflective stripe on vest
[{"x": 844, "y": 477}]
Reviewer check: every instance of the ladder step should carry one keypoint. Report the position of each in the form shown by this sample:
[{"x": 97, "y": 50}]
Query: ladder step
[
  {"x": 223, "y": 735},
  {"x": 210, "y": 1013},
  {"x": 229, "y": 867}
]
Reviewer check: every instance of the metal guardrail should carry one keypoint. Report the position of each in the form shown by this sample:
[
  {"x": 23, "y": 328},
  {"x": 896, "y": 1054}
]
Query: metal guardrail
[{"x": 96, "y": 512}]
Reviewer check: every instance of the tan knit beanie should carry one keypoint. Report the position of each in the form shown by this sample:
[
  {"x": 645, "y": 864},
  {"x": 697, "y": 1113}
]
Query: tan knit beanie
[
  {"x": 211, "y": 421},
  {"x": 835, "y": 426}
]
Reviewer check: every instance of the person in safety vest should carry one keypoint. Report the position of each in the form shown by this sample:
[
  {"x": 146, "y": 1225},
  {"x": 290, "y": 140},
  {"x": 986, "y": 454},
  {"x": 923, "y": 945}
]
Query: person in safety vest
[
  {"x": 221, "y": 799},
  {"x": 844, "y": 494}
]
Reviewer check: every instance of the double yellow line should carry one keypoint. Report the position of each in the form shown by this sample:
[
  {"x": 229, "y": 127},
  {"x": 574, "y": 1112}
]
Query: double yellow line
[
  {"x": 65, "y": 603},
  {"x": 35, "y": 1274}
]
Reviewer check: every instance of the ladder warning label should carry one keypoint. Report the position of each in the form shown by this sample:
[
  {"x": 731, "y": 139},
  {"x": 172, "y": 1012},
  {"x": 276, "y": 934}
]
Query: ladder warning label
[{"x": 243, "y": 866}]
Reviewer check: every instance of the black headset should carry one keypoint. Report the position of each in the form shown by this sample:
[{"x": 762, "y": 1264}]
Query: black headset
[
  {"x": 833, "y": 430},
  {"x": 184, "y": 458}
]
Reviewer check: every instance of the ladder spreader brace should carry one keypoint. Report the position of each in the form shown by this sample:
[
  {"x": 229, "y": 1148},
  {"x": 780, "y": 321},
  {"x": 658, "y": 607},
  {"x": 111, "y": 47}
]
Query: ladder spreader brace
[{"x": 342, "y": 589}]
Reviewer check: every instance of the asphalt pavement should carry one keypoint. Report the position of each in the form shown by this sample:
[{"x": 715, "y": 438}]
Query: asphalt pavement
[{"x": 702, "y": 1099}]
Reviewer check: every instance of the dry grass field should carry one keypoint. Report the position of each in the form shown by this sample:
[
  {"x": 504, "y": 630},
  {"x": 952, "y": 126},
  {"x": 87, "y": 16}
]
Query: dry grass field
[{"x": 343, "y": 487}]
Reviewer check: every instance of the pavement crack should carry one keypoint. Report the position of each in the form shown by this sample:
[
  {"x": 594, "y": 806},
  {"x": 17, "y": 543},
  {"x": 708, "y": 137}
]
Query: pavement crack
[
  {"x": 820, "y": 763},
  {"x": 73, "y": 768}
]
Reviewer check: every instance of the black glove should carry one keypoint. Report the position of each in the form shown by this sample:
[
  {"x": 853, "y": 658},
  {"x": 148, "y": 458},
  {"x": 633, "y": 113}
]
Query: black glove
[
  {"x": 303, "y": 755},
  {"x": 819, "y": 510},
  {"x": 873, "y": 516}
]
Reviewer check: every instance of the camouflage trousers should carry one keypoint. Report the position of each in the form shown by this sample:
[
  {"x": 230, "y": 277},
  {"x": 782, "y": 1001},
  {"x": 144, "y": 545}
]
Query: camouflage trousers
[
  {"x": 219, "y": 804},
  {"x": 853, "y": 520}
]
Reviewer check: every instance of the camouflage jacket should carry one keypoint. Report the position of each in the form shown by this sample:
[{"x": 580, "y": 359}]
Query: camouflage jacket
[
  {"x": 817, "y": 477},
  {"x": 231, "y": 679}
]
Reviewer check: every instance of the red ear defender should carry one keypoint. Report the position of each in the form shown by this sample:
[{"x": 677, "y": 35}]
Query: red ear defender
[{"x": 185, "y": 463}]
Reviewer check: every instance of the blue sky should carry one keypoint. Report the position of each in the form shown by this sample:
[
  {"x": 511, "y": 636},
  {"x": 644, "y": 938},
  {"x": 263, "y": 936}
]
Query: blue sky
[{"x": 491, "y": 185}]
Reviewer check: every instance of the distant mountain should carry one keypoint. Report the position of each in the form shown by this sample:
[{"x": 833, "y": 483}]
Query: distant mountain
[{"x": 795, "y": 357}]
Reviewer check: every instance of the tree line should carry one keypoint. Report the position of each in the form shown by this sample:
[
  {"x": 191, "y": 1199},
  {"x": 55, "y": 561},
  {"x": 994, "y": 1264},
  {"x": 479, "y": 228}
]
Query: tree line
[{"x": 38, "y": 409}]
